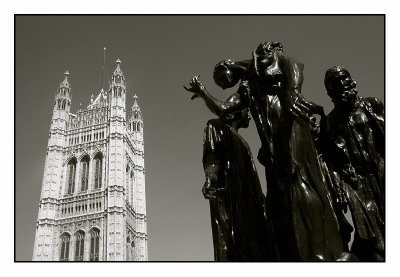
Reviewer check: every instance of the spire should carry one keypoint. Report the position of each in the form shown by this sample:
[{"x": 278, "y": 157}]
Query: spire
[
  {"x": 118, "y": 71},
  {"x": 63, "y": 95},
  {"x": 135, "y": 107},
  {"x": 135, "y": 104},
  {"x": 135, "y": 121},
  {"x": 65, "y": 83}
]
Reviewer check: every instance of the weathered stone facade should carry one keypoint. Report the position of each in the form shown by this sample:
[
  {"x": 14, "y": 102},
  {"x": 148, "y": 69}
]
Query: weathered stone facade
[{"x": 92, "y": 205}]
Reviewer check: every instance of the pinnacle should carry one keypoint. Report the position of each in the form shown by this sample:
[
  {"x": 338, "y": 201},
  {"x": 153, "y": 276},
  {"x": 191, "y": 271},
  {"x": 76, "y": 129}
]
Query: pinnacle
[
  {"x": 135, "y": 105},
  {"x": 65, "y": 83},
  {"x": 118, "y": 70}
]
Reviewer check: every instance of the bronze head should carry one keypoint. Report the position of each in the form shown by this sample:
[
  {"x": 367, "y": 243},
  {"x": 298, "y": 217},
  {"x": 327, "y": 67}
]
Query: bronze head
[
  {"x": 267, "y": 48},
  {"x": 340, "y": 86},
  {"x": 225, "y": 76}
]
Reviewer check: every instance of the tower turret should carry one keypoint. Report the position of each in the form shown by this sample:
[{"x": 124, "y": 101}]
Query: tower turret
[
  {"x": 52, "y": 176},
  {"x": 63, "y": 95},
  {"x": 117, "y": 92},
  {"x": 116, "y": 168},
  {"x": 135, "y": 134},
  {"x": 62, "y": 104},
  {"x": 135, "y": 121}
]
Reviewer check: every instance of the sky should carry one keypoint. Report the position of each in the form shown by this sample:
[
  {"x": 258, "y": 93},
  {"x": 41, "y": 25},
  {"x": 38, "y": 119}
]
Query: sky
[{"x": 159, "y": 55}]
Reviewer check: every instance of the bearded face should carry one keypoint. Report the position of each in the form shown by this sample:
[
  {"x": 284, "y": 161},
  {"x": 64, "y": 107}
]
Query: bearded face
[{"x": 342, "y": 90}]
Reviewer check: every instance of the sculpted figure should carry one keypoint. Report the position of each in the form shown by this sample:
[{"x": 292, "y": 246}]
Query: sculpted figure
[
  {"x": 352, "y": 141},
  {"x": 239, "y": 226},
  {"x": 304, "y": 225}
]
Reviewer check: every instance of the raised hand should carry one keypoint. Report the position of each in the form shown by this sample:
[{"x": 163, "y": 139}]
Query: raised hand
[
  {"x": 302, "y": 109},
  {"x": 196, "y": 87}
]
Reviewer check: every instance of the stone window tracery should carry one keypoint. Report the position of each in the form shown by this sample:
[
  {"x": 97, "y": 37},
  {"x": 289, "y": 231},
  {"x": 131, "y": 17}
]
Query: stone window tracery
[
  {"x": 71, "y": 176},
  {"x": 79, "y": 245},
  {"x": 64, "y": 252},
  {"x": 128, "y": 249},
  {"x": 94, "y": 244},
  {"x": 84, "y": 173},
  {"x": 98, "y": 161}
]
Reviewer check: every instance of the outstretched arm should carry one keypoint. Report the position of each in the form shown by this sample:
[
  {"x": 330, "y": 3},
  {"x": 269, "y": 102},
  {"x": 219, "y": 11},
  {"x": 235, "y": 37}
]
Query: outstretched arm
[{"x": 218, "y": 107}]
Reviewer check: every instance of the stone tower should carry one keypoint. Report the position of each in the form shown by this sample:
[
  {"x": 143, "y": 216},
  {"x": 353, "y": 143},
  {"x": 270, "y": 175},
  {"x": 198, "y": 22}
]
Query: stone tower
[{"x": 92, "y": 205}]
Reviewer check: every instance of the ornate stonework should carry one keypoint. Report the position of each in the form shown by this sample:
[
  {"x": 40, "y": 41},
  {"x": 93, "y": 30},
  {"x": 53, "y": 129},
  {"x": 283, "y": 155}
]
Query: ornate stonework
[{"x": 93, "y": 205}]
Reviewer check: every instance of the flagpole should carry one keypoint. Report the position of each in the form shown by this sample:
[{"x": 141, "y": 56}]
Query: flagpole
[{"x": 104, "y": 68}]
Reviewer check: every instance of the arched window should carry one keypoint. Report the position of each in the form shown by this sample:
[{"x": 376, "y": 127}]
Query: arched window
[
  {"x": 98, "y": 161},
  {"x": 94, "y": 244},
  {"x": 132, "y": 254},
  {"x": 79, "y": 245},
  {"x": 127, "y": 184},
  {"x": 131, "y": 187},
  {"x": 138, "y": 127},
  {"x": 64, "y": 252},
  {"x": 63, "y": 104},
  {"x": 128, "y": 249},
  {"x": 71, "y": 176},
  {"x": 84, "y": 173}
]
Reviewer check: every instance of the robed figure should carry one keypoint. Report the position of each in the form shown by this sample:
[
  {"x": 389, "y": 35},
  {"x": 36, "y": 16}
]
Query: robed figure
[
  {"x": 239, "y": 226},
  {"x": 352, "y": 140}
]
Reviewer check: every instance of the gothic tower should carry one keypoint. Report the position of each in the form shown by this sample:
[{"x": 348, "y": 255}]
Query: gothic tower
[{"x": 92, "y": 206}]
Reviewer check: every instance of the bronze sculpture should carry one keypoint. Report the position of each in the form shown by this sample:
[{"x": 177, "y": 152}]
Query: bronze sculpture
[
  {"x": 352, "y": 141},
  {"x": 239, "y": 226},
  {"x": 299, "y": 181}
]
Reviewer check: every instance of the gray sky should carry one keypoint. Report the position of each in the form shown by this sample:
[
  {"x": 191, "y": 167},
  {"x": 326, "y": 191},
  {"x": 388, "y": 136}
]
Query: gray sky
[{"x": 159, "y": 54}]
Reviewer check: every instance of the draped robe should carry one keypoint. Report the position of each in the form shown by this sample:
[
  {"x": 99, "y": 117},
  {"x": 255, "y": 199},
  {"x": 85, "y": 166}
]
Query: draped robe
[{"x": 239, "y": 226}]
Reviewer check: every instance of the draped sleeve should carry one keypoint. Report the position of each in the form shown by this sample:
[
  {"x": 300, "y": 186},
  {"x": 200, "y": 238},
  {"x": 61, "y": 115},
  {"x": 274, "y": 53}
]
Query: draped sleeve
[{"x": 214, "y": 143}]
